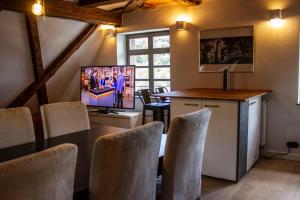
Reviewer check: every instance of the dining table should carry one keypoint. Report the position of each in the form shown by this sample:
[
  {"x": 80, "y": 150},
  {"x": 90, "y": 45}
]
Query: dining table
[{"x": 85, "y": 141}]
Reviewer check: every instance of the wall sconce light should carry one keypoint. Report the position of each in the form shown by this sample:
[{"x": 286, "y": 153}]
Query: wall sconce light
[
  {"x": 107, "y": 27},
  {"x": 276, "y": 18},
  {"x": 111, "y": 30},
  {"x": 181, "y": 25},
  {"x": 38, "y": 7}
]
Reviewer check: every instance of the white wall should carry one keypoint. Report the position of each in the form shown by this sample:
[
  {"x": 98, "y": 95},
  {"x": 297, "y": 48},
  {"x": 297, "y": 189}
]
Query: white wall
[
  {"x": 276, "y": 54},
  {"x": 16, "y": 71},
  {"x": 14, "y": 57}
]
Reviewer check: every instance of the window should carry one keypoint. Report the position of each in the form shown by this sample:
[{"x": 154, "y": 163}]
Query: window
[{"x": 150, "y": 52}]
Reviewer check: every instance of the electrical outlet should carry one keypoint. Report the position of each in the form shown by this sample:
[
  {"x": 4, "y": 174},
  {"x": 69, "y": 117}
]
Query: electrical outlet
[{"x": 292, "y": 144}]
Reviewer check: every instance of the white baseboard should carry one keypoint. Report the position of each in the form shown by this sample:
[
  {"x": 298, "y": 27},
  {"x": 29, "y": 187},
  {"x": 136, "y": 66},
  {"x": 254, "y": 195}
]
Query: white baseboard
[{"x": 290, "y": 156}]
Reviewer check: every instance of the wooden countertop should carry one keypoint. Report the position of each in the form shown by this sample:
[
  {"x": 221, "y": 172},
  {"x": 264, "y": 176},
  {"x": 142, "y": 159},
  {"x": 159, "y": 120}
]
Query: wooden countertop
[{"x": 207, "y": 93}]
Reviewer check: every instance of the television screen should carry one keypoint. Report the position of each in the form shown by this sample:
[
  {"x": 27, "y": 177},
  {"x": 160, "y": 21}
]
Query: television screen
[{"x": 108, "y": 86}]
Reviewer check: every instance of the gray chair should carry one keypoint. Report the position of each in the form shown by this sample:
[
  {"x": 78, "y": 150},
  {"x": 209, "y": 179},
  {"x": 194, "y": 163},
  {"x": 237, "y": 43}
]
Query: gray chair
[
  {"x": 124, "y": 165},
  {"x": 16, "y": 127},
  {"x": 64, "y": 118},
  {"x": 47, "y": 175},
  {"x": 182, "y": 163}
]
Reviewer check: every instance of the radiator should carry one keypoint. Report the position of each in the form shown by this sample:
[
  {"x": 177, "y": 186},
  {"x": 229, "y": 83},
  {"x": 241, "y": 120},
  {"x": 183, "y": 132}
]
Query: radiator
[{"x": 264, "y": 122}]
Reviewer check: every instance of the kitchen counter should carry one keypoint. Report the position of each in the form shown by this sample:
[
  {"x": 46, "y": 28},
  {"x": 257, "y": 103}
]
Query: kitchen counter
[
  {"x": 233, "y": 135},
  {"x": 207, "y": 93}
]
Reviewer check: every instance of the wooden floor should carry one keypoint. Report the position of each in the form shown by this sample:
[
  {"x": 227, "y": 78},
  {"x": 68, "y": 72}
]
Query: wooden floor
[{"x": 268, "y": 180}]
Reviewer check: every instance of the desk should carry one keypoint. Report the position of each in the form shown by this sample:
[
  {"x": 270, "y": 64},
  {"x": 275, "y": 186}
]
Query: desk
[{"x": 84, "y": 140}]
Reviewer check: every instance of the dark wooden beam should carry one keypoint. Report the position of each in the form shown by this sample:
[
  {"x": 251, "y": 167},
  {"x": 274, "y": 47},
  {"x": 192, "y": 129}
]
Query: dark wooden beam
[
  {"x": 36, "y": 55},
  {"x": 189, "y": 2},
  {"x": 97, "y": 3},
  {"x": 53, "y": 67},
  {"x": 67, "y": 10},
  {"x": 131, "y": 6},
  {"x": 145, "y": 4}
]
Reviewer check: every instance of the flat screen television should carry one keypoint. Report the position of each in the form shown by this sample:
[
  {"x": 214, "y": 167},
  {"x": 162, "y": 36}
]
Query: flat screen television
[{"x": 108, "y": 86}]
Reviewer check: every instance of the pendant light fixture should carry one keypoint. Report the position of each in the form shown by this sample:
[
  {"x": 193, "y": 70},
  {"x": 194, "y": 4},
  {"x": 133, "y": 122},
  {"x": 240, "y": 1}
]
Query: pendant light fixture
[{"x": 38, "y": 8}]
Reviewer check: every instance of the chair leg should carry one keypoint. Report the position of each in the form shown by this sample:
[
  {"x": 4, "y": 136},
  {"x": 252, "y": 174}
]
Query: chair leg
[
  {"x": 144, "y": 115},
  {"x": 155, "y": 118},
  {"x": 162, "y": 118},
  {"x": 169, "y": 119}
]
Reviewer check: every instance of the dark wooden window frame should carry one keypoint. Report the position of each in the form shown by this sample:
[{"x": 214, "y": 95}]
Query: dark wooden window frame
[{"x": 150, "y": 52}]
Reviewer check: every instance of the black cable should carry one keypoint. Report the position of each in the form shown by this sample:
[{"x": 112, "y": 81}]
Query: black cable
[{"x": 277, "y": 154}]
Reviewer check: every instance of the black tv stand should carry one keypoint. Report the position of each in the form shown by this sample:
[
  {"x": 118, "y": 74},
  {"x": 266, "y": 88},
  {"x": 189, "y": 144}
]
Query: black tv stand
[{"x": 106, "y": 111}]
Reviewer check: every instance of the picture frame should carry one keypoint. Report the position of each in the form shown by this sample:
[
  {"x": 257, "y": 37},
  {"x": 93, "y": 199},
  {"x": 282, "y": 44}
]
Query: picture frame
[{"x": 228, "y": 48}]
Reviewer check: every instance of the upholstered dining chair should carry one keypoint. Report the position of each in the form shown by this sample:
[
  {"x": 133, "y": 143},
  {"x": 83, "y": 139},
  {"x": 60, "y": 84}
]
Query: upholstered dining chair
[
  {"x": 64, "y": 118},
  {"x": 124, "y": 165},
  {"x": 16, "y": 127},
  {"x": 47, "y": 175},
  {"x": 182, "y": 162}
]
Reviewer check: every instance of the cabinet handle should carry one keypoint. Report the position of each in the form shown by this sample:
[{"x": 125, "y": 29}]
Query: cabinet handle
[
  {"x": 191, "y": 104},
  {"x": 252, "y": 103},
  {"x": 212, "y": 106}
]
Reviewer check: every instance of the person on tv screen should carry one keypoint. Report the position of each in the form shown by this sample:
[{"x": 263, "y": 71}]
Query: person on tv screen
[
  {"x": 120, "y": 88},
  {"x": 114, "y": 85},
  {"x": 93, "y": 80},
  {"x": 102, "y": 82}
]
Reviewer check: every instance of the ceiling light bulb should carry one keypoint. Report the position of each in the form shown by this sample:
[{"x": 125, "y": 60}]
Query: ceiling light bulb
[{"x": 37, "y": 8}]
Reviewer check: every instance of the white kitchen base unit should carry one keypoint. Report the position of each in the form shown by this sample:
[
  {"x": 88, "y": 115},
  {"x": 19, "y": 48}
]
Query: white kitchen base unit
[
  {"x": 122, "y": 119},
  {"x": 232, "y": 142},
  {"x": 233, "y": 136}
]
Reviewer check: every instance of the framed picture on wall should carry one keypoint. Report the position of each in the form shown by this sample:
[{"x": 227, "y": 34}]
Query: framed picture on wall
[{"x": 230, "y": 48}]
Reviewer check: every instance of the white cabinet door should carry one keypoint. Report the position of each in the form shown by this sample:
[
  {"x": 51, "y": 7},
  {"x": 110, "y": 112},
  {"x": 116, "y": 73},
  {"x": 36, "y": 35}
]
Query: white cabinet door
[
  {"x": 254, "y": 128},
  {"x": 183, "y": 106},
  {"x": 220, "y": 152}
]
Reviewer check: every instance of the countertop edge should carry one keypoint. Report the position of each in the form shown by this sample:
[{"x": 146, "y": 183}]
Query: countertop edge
[{"x": 229, "y": 98}]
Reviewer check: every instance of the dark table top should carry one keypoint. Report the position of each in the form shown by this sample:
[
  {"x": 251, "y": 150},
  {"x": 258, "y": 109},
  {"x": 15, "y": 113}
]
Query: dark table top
[{"x": 84, "y": 140}]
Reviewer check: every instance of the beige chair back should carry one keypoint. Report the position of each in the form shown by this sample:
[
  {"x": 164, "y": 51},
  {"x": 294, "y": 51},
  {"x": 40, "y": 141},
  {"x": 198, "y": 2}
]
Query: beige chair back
[
  {"x": 124, "y": 165},
  {"x": 47, "y": 175},
  {"x": 16, "y": 127},
  {"x": 64, "y": 118},
  {"x": 182, "y": 164}
]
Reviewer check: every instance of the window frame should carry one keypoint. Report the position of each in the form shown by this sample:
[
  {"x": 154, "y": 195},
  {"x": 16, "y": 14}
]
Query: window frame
[{"x": 150, "y": 52}]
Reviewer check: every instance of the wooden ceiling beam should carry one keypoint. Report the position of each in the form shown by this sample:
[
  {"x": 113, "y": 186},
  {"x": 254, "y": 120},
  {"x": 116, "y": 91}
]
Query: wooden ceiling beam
[
  {"x": 132, "y": 5},
  {"x": 67, "y": 10},
  {"x": 97, "y": 3},
  {"x": 36, "y": 55},
  {"x": 189, "y": 2},
  {"x": 53, "y": 67}
]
